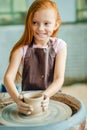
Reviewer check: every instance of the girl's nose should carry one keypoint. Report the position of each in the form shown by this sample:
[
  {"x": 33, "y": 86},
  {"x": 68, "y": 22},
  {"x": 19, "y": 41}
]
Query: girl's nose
[{"x": 41, "y": 27}]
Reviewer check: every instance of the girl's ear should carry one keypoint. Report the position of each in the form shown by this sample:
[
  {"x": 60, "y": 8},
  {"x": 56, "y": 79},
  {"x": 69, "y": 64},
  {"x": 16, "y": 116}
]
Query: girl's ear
[{"x": 56, "y": 26}]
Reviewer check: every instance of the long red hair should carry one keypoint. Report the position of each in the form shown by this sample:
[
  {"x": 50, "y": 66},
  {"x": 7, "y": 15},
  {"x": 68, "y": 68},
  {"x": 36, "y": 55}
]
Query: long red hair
[{"x": 27, "y": 36}]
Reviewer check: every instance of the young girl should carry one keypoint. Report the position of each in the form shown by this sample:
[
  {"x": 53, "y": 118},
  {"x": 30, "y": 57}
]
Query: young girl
[{"x": 39, "y": 57}]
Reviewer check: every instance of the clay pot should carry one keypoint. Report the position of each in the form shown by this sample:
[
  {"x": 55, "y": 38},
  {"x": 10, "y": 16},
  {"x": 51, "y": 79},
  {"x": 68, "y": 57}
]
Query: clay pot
[{"x": 34, "y": 99}]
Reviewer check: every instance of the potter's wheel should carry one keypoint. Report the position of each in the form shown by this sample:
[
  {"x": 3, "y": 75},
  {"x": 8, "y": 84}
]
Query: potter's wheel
[{"x": 57, "y": 111}]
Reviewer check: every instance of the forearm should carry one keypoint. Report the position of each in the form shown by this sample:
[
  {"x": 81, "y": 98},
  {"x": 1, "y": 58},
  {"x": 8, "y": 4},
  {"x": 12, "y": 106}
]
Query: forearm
[
  {"x": 54, "y": 87},
  {"x": 59, "y": 72},
  {"x": 11, "y": 88}
]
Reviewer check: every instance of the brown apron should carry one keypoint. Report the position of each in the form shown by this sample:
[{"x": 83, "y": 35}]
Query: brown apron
[{"x": 38, "y": 70}]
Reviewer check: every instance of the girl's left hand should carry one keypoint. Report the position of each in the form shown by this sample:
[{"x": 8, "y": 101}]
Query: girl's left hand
[{"x": 45, "y": 103}]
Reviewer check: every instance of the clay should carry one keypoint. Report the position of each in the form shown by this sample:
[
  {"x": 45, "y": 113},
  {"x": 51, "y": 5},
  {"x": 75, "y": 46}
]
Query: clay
[{"x": 34, "y": 99}]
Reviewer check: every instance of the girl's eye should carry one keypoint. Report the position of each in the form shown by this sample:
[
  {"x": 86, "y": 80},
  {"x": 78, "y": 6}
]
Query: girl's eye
[
  {"x": 47, "y": 24},
  {"x": 34, "y": 23}
]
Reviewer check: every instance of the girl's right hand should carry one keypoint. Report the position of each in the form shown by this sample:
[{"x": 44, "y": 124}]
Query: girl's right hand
[
  {"x": 45, "y": 103},
  {"x": 23, "y": 107}
]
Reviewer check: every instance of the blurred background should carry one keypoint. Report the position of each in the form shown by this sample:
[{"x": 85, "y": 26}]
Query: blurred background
[{"x": 73, "y": 30}]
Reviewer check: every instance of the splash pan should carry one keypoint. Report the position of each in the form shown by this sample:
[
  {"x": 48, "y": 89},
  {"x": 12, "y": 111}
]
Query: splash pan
[
  {"x": 57, "y": 111},
  {"x": 65, "y": 113}
]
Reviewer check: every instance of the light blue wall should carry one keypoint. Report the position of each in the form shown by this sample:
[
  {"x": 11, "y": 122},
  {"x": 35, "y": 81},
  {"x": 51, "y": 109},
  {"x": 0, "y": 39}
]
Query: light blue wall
[
  {"x": 76, "y": 37},
  {"x": 67, "y": 9},
  {"x": 8, "y": 37}
]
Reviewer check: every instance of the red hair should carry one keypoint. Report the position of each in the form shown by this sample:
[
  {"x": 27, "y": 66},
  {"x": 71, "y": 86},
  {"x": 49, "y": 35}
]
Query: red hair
[{"x": 27, "y": 36}]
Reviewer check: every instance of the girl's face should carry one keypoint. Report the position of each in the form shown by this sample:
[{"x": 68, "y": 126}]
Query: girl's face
[{"x": 43, "y": 25}]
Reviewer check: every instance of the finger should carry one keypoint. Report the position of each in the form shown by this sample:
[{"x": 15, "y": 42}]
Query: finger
[
  {"x": 31, "y": 108},
  {"x": 21, "y": 97},
  {"x": 45, "y": 108},
  {"x": 23, "y": 108},
  {"x": 25, "y": 112},
  {"x": 23, "y": 104},
  {"x": 45, "y": 105},
  {"x": 45, "y": 102},
  {"x": 28, "y": 108}
]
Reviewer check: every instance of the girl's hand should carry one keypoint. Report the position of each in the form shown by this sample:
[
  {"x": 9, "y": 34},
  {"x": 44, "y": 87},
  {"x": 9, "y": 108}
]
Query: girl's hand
[
  {"x": 45, "y": 103},
  {"x": 23, "y": 107}
]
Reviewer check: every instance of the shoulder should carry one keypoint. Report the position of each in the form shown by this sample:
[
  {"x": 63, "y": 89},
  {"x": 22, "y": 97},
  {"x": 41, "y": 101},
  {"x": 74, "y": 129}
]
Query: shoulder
[
  {"x": 58, "y": 44},
  {"x": 20, "y": 52},
  {"x": 17, "y": 53},
  {"x": 23, "y": 50}
]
